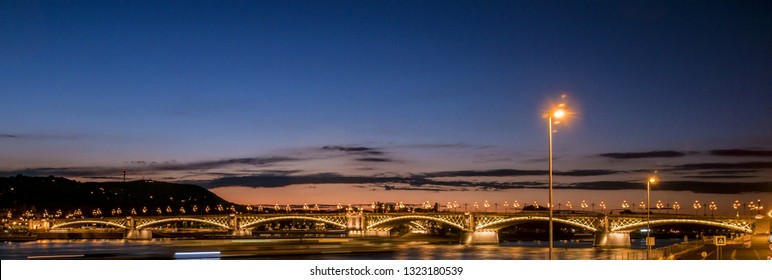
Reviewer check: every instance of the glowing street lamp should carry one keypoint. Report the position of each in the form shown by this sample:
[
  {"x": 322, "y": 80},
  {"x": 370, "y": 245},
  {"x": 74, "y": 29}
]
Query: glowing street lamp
[
  {"x": 603, "y": 206},
  {"x": 650, "y": 181},
  {"x": 736, "y": 205},
  {"x": 696, "y": 206},
  {"x": 676, "y": 206},
  {"x": 515, "y": 205},
  {"x": 552, "y": 116},
  {"x": 759, "y": 207},
  {"x": 584, "y": 205},
  {"x": 625, "y": 205},
  {"x": 712, "y": 207},
  {"x": 506, "y": 205}
]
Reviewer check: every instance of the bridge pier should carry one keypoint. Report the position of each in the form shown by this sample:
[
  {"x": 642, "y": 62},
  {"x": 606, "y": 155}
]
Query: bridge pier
[
  {"x": 240, "y": 232},
  {"x": 762, "y": 226},
  {"x": 138, "y": 234},
  {"x": 480, "y": 237},
  {"x": 377, "y": 233},
  {"x": 606, "y": 239}
]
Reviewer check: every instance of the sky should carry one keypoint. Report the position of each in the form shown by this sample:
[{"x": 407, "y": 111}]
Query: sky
[{"x": 270, "y": 102}]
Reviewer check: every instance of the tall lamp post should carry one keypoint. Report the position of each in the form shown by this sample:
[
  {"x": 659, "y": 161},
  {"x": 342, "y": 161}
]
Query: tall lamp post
[
  {"x": 554, "y": 114},
  {"x": 650, "y": 181}
]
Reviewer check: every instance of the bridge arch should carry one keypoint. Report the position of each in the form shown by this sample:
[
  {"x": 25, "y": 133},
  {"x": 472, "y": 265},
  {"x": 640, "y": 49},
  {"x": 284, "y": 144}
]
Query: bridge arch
[
  {"x": 393, "y": 221},
  {"x": 113, "y": 224},
  {"x": 744, "y": 226},
  {"x": 180, "y": 219},
  {"x": 503, "y": 223},
  {"x": 255, "y": 223}
]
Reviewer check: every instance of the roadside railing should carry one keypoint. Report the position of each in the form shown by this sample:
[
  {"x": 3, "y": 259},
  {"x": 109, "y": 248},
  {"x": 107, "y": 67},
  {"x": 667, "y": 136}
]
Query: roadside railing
[
  {"x": 664, "y": 253},
  {"x": 673, "y": 251}
]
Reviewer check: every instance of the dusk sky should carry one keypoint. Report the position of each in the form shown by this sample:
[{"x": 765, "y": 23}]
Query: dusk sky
[{"x": 361, "y": 101}]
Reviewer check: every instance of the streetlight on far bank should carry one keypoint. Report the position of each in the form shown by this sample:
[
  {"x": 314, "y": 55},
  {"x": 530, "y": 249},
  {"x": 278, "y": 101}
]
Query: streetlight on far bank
[
  {"x": 649, "y": 242},
  {"x": 553, "y": 117},
  {"x": 696, "y": 206}
]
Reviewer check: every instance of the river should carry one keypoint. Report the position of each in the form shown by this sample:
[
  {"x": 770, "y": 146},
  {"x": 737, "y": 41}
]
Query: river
[{"x": 310, "y": 249}]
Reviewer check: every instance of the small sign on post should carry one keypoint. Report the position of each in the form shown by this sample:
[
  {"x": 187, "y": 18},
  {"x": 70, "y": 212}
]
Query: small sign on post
[
  {"x": 719, "y": 240},
  {"x": 650, "y": 241}
]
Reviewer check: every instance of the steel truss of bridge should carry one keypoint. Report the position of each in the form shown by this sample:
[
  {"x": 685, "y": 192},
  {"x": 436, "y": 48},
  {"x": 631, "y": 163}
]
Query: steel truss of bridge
[{"x": 479, "y": 226}]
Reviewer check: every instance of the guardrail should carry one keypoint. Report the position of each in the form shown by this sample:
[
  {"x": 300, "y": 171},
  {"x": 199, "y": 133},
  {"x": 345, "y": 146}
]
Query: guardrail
[
  {"x": 673, "y": 251},
  {"x": 664, "y": 253}
]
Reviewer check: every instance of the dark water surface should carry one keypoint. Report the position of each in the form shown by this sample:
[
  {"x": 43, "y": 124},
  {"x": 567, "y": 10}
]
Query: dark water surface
[{"x": 309, "y": 249}]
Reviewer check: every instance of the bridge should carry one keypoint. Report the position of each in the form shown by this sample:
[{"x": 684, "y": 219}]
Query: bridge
[{"x": 476, "y": 228}]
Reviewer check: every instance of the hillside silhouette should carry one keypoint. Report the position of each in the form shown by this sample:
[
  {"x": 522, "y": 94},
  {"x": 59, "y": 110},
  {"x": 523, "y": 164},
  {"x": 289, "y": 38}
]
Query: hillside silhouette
[{"x": 39, "y": 194}]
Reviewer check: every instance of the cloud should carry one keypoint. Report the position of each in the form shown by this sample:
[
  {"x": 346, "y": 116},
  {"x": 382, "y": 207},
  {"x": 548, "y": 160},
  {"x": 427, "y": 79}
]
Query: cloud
[
  {"x": 485, "y": 173},
  {"x": 151, "y": 168},
  {"x": 39, "y": 137},
  {"x": 203, "y": 165},
  {"x": 268, "y": 181},
  {"x": 692, "y": 186},
  {"x": 738, "y": 165},
  {"x": 741, "y": 153},
  {"x": 587, "y": 172},
  {"x": 719, "y": 176},
  {"x": 362, "y": 154},
  {"x": 374, "y": 159},
  {"x": 445, "y": 146},
  {"x": 518, "y": 172},
  {"x": 356, "y": 150},
  {"x": 85, "y": 172},
  {"x": 727, "y": 172},
  {"x": 413, "y": 188},
  {"x": 653, "y": 154}
]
